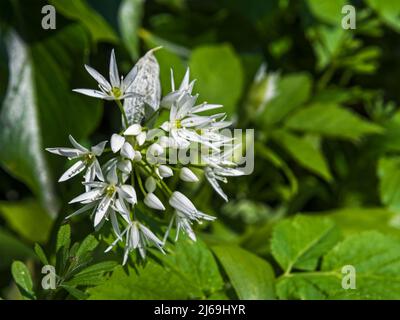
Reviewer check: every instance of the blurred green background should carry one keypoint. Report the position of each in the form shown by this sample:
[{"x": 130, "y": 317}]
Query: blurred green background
[{"x": 327, "y": 144}]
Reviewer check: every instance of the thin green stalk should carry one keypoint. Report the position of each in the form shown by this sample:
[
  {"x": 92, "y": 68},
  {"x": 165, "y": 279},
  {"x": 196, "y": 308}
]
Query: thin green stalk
[{"x": 121, "y": 108}]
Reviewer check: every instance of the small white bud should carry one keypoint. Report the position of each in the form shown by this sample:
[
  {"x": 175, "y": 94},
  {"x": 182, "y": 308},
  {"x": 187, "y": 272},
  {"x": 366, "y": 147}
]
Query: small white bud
[
  {"x": 155, "y": 149},
  {"x": 152, "y": 201},
  {"x": 165, "y": 171},
  {"x": 138, "y": 156},
  {"x": 116, "y": 142},
  {"x": 127, "y": 151},
  {"x": 188, "y": 175},
  {"x": 141, "y": 138},
  {"x": 133, "y": 130},
  {"x": 150, "y": 184}
]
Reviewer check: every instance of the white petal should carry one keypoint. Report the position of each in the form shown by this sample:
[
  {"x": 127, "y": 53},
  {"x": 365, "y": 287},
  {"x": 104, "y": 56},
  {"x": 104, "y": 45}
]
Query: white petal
[
  {"x": 214, "y": 183},
  {"x": 66, "y": 152},
  {"x": 127, "y": 151},
  {"x": 98, "y": 171},
  {"x": 116, "y": 142},
  {"x": 188, "y": 175},
  {"x": 76, "y": 144},
  {"x": 141, "y": 138},
  {"x": 125, "y": 166},
  {"x": 185, "y": 82},
  {"x": 77, "y": 168},
  {"x": 112, "y": 176},
  {"x": 152, "y": 201},
  {"x": 129, "y": 193},
  {"x": 83, "y": 209},
  {"x": 98, "y": 77},
  {"x": 172, "y": 81},
  {"x": 87, "y": 196},
  {"x": 114, "y": 76},
  {"x": 133, "y": 130},
  {"x": 165, "y": 171},
  {"x": 102, "y": 210},
  {"x": 134, "y": 236},
  {"x": 150, "y": 184},
  {"x": 205, "y": 106},
  {"x": 92, "y": 93},
  {"x": 115, "y": 225},
  {"x": 99, "y": 148},
  {"x": 181, "y": 203},
  {"x": 130, "y": 77}
]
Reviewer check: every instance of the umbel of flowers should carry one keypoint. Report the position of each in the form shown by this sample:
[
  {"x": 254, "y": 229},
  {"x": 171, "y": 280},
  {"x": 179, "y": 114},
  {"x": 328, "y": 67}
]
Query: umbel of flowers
[{"x": 113, "y": 190}]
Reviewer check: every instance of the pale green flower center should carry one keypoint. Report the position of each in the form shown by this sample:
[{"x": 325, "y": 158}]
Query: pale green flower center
[
  {"x": 111, "y": 190},
  {"x": 89, "y": 157},
  {"x": 178, "y": 124},
  {"x": 116, "y": 92}
]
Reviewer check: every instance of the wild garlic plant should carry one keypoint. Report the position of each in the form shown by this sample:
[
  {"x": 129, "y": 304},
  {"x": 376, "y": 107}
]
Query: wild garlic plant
[{"x": 139, "y": 167}]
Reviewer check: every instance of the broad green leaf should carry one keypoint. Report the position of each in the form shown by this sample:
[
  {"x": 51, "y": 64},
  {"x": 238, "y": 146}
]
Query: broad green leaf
[
  {"x": 293, "y": 90},
  {"x": 129, "y": 17},
  {"x": 307, "y": 153},
  {"x": 356, "y": 220},
  {"x": 23, "y": 279},
  {"x": 329, "y": 11},
  {"x": 79, "y": 10},
  {"x": 27, "y": 218},
  {"x": 331, "y": 120},
  {"x": 389, "y": 182},
  {"x": 63, "y": 237},
  {"x": 376, "y": 261},
  {"x": 251, "y": 276},
  {"x": 219, "y": 75},
  {"x": 41, "y": 255},
  {"x": 388, "y": 10},
  {"x": 299, "y": 242},
  {"x": 188, "y": 270},
  {"x": 40, "y": 110},
  {"x": 11, "y": 248}
]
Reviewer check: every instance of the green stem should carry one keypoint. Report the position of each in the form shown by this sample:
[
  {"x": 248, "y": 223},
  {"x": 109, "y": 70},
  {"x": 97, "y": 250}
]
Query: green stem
[
  {"x": 139, "y": 179},
  {"x": 121, "y": 108}
]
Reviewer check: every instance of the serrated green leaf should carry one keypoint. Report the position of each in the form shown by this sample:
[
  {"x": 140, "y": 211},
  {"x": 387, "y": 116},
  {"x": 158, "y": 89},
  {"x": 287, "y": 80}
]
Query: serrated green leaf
[
  {"x": 188, "y": 271},
  {"x": 219, "y": 75},
  {"x": 23, "y": 279},
  {"x": 63, "y": 237},
  {"x": 331, "y": 120},
  {"x": 27, "y": 218},
  {"x": 251, "y": 276},
  {"x": 87, "y": 245},
  {"x": 92, "y": 275},
  {"x": 78, "y": 294},
  {"x": 79, "y": 10},
  {"x": 293, "y": 90},
  {"x": 376, "y": 261},
  {"x": 300, "y": 242},
  {"x": 305, "y": 152}
]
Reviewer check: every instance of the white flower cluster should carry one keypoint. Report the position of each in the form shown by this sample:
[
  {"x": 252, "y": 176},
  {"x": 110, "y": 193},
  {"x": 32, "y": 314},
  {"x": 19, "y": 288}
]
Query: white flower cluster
[{"x": 113, "y": 190}]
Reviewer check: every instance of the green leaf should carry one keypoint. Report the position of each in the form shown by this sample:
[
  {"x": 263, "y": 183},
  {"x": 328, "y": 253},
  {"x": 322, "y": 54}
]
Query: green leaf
[
  {"x": 389, "y": 182},
  {"x": 305, "y": 151},
  {"x": 189, "y": 271},
  {"x": 219, "y": 75},
  {"x": 329, "y": 11},
  {"x": 293, "y": 90},
  {"x": 38, "y": 114},
  {"x": 92, "y": 275},
  {"x": 299, "y": 242},
  {"x": 388, "y": 10},
  {"x": 376, "y": 261},
  {"x": 87, "y": 245},
  {"x": 63, "y": 237},
  {"x": 27, "y": 218},
  {"x": 94, "y": 22},
  {"x": 41, "y": 255},
  {"x": 331, "y": 120},
  {"x": 76, "y": 293},
  {"x": 129, "y": 17},
  {"x": 11, "y": 248},
  {"x": 23, "y": 279},
  {"x": 356, "y": 220},
  {"x": 251, "y": 276}
]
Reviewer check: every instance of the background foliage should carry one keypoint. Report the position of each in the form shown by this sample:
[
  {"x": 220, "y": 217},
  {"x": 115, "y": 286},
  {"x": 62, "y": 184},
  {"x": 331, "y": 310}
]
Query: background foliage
[{"x": 326, "y": 187}]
